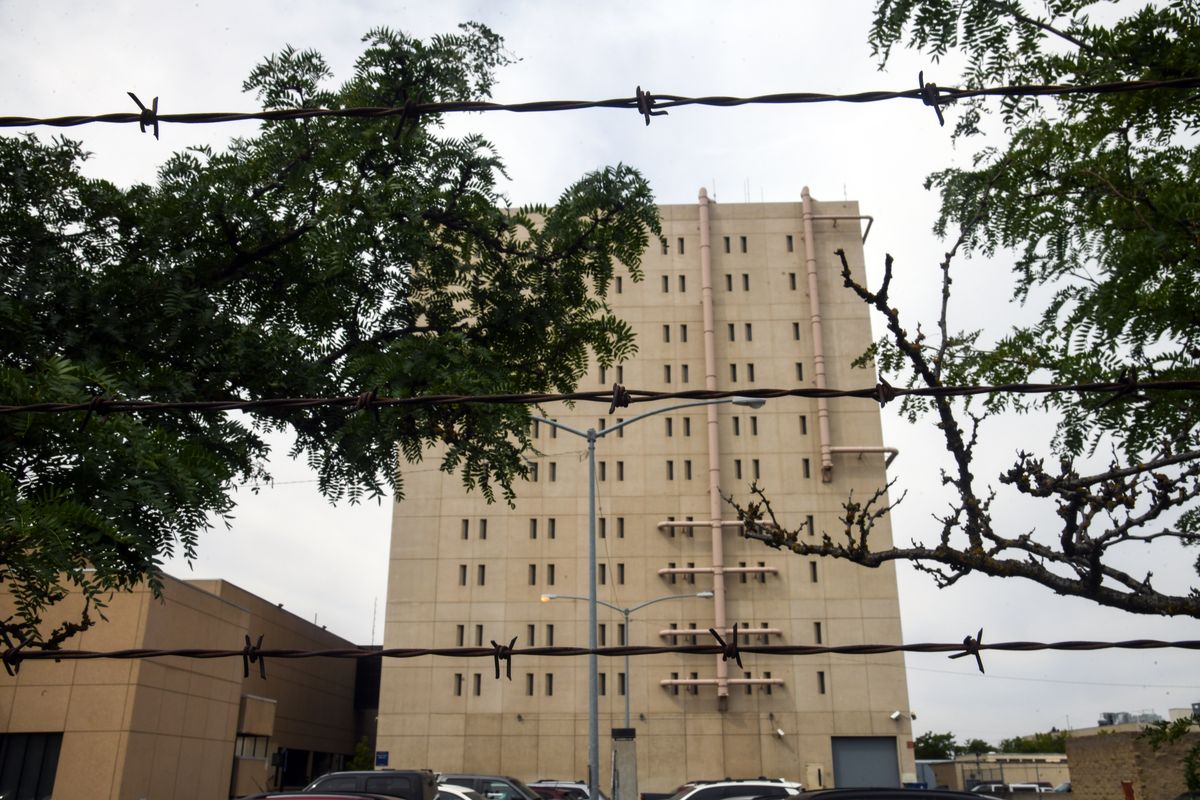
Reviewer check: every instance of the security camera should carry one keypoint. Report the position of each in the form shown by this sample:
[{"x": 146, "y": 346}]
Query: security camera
[
  {"x": 779, "y": 732},
  {"x": 895, "y": 715}
]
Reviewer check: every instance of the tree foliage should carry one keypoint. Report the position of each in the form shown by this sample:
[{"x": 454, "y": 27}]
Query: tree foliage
[
  {"x": 1096, "y": 199},
  {"x": 1165, "y": 733},
  {"x": 930, "y": 745},
  {"x": 1053, "y": 741},
  {"x": 317, "y": 257}
]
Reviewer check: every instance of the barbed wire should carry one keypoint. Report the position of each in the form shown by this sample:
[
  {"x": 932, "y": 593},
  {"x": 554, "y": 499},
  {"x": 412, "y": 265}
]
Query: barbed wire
[
  {"x": 643, "y": 102},
  {"x": 254, "y": 652},
  {"x": 617, "y": 397}
]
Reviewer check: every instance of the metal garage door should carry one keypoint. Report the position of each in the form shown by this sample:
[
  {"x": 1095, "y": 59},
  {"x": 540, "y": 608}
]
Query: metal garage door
[{"x": 865, "y": 761}]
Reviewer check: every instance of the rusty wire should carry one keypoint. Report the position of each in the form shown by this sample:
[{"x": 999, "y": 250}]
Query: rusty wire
[
  {"x": 619, "y": 396},
  {"x": 643, "y": 103},
  {"x": 256, "y": 653}
]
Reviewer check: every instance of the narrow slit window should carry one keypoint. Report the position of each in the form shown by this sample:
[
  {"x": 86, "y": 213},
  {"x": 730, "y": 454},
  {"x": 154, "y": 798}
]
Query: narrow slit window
[
  {"x": 691, "y": 578},
  {"x": 742, "y": 576},
  {"x": 754, "y": 426},
  {"x": 620, "y": 374},
  {"x": 603, "y": 465},
  {"x": 680, "y": 245},
  {"x": 750, "y": 373},
  {"x": 674, "y": 686},
  {"x": 460, "y": 633},
  {"x": 483, "y": 529},
  {"x": 792, "y": 281},
  {"x": 749, "y": 687},
  {"x": 620, "y": 431},
  {"x": 812, "y": 571},
  {"x": 683, "y": 333},
  {"x": 689, "y": 531},
  {"x": 666, "y": 248},
  {"x": 530, "y": 635},
  {"x": 683, "y": 283},
  {"x": 549, "y": 684},
  {"x": 745, "y": 282},
  {"x": 806, "y": 467},
  {"x": 603, "y": 527},
  {"x": 621, "y": 684},
  {"x": 603, "y": 380},
  {"x": 749, "y": 332},
  {"x": 602, "y": 574},
  {"x": 528, "y": 684},
  {"x": 683, "y": 373},
  {"x": 670, "y": 470},
  {"x": 727, "y": 244},
  {"x": 732, "y": 329},
  {"x": 549, "y": 574},
  {"x": 666, "y": 373},
  {"x": 796, "y": 331},
  {"x": 737, "y": 426},
  {"x": 458, "y": 684},
  {"x": 666, "y": 333},
  {"x": 687, "y": 469},
  {"x": 693, "y": 688},
  {"x": 671, "y": 577},
  {"x": 620, "y": 470},
  {"x": 762, "y": 572},
  {"x": 803, "y": 425},
  {"x": 466, "y": 529},
  {"x": 482, "y": 574},
  {"x": 791, "y": 244},
  {"x": 533, "y": 472},
  {"x": 620, "y": 527},
  {"x": 620, "y": 573},
  {"x": 462, "y": 574},
  {"x": 551, "y": 527},
  {"x": 767, "y": 687},
  {"x": 687, "y": 426},
  {"x": 757, "y": 472},
  {"x": 618, "y": 284},
  {"x": 799, "y": 371},
  {"x": 549, "y": 636},
  {"x": 817, "y": 637},
  {"x": 479, "y": 636},
  {"x": 671, "y": 532},
  {"x": 820, "y": 682},
  {"x": 666, "y": 283},
  {"x": 737, "y": 468},
  {"x": 553, "y": 471},
  {"x": 810, "y": 523},
  {"x": 602, "y": 634},
  {"x": 533, "y": 574},
  {"x": 733, "y": 373},
  {"x": 728, "y": 282},
  {"x": 602, "y": 684}
]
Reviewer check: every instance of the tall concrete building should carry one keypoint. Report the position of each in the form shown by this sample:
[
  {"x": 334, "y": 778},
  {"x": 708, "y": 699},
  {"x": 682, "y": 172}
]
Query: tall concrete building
[{"x": 735, "y": 297}]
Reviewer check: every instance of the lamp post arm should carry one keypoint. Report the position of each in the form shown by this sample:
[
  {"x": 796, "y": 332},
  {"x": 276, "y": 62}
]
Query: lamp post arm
[
  {"x": 659, "y": 600},
  {"x": 643, "y": 415},
  {"x": 556, "y": 424},
  {"x": 599, "y": 602}
]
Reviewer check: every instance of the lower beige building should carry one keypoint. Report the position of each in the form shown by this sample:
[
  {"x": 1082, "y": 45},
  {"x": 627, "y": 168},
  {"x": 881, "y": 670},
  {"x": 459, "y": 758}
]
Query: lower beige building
[
  {"x": 735, "y": 297},
  {"x": 177, "y": 728},
  {"x": 1122, "y": 764}
]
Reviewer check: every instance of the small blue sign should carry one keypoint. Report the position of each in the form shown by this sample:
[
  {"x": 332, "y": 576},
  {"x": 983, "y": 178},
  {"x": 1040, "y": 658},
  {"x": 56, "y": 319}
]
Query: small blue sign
[{"x": 381, "y": 758}]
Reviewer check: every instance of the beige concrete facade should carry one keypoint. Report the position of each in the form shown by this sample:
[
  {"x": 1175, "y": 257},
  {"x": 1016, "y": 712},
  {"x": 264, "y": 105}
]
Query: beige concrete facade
[
  {"x": 176, "y": 728},
  {"x": 1103, "y": 764},
  {"x": 464, "y": 572}
]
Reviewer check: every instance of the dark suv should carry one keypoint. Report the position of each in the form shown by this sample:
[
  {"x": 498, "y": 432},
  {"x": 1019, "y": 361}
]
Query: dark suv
[
  {"x": 411, "y": 784},
  {"x": 493, "y": 787}
]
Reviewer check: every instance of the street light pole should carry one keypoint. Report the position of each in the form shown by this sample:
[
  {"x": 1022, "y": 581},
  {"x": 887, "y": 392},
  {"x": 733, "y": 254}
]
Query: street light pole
[
  {"x": 591, "y": 435},
  {"x": 546, "y": 598}
]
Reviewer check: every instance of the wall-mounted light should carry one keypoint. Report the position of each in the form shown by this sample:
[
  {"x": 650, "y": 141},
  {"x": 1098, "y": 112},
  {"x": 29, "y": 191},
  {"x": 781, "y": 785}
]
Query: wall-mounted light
[
  {"x": 779, "y": 732},
  {"x": 895, "y": 715}
]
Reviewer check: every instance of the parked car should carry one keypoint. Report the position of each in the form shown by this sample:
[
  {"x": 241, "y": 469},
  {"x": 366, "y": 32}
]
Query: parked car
[
  {"x": 449, "y": 791},
  {"x": 558, "y": 792},
  {"x": 414, "y": 784},
  {"x": 580, "y": 788},
  {"x": 988, "y": 788},
  {"x": 889, "y": 793},
  {"x": 771, "y": 788},
  {"x": 1062, "y": 788},
  {"x": 317, "y": 796},
  {"x": 493, "y": 787}
]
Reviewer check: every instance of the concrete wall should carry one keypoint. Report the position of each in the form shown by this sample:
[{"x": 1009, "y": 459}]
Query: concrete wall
[{"x": 1099, "y": 765}]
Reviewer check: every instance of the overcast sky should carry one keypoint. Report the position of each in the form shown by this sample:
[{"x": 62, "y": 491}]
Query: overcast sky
[{"x": 329, "y": 564}]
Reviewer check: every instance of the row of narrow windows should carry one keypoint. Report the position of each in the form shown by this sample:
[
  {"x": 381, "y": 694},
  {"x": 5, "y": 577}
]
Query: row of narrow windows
[
  {"x": 684, "y": 376},
  {"x": 602, "y": 683},
  {"x": 603, "y": 524},
  {"x": 690, "y": 633},
  {"x": 727, "y": 243},
  {"x": 731, "y": 331},
  {"x": 753, "y": 469},
  {"x": 531, "y": 684},
  {"x": 730, "y": 282},
  {"x": 670, "y": 426}
]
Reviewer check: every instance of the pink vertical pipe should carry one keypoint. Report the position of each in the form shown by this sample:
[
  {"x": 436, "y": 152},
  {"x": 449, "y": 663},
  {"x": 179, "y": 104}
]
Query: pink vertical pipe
[
  {"x": 818, "y": 341},
  {"x": 714, "y": 447}
]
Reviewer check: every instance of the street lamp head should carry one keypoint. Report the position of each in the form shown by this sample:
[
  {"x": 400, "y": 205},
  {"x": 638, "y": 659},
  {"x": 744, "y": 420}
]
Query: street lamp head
[
  {"x": 546, "y": 598},
  {"x": 749, "y": 402},
  {"x": 704, "y": 594}
]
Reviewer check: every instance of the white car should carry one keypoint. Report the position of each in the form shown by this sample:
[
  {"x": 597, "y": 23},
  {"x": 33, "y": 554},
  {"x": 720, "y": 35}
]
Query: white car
[
  {"x": 756, "y": 787},
  {"x": 448, "y": 791}
]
